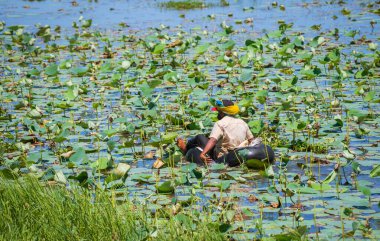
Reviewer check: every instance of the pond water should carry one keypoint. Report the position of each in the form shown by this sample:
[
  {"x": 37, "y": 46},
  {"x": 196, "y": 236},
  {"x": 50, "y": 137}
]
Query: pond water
[
  {"x": 110, "y": 93},
  {"x": 141, "y": 15}
]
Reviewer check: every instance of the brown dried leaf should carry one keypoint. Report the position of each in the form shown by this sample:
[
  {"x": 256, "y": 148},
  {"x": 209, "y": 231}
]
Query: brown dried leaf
[
  {"x": 67, "y": 154},
  {"x": 297, "y": 206},
  {"x": 275, "y": 205},
  {"x": 149, "y": 155},
  {"x": 252, "y": 198},
  {"x": 158, "y": 163},
  {"x": 176, "y": 208},
  {"x": 121, "y": 169},
  {"x": 221, "y": 71},
  {"x": 175, "y": 43}
]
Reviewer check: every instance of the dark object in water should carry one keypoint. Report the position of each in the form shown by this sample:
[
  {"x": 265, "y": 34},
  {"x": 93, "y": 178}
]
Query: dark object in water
[{"x": 256, "y": 157}]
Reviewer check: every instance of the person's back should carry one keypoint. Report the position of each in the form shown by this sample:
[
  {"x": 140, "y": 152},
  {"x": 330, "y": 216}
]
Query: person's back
[{"x": 230, "y": 133}]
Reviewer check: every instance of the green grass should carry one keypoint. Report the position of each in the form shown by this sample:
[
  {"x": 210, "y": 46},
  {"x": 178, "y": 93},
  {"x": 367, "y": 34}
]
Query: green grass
[
  {"x": 31, "y": 211},
  {"x": 180, "y": 5}
]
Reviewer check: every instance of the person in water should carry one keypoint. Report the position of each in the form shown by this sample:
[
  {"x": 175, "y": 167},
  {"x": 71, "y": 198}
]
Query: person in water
[{"x": 227, "y": 134}]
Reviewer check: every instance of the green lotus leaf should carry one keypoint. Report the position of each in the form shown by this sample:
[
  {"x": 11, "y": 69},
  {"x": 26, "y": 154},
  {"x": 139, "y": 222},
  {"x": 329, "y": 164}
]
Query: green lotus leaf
[{"x": 165, "y": 188}]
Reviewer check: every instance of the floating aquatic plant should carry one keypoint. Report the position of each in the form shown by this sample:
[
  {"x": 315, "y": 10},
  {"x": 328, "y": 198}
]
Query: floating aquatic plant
[{"x": 81, "y": 106}]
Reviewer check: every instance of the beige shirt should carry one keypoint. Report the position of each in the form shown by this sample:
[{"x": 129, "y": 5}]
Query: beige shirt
[{"x": 230, "y": 132}]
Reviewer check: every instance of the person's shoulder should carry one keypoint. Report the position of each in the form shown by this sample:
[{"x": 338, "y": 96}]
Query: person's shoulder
[
  {"x": 240, "y": 121},
  {"x": 236, "y": 119},
  {"x": 223, "y": 122},
  {"x": 226, "y": 120},
  {"x": 219, "y": 123}
]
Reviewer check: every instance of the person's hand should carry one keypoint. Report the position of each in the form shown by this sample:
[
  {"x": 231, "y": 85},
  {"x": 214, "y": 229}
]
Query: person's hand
[{"x": 205, "y": 158}]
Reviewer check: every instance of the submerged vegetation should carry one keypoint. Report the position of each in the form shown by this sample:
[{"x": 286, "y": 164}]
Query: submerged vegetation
[{"x": 93, "y": 115}]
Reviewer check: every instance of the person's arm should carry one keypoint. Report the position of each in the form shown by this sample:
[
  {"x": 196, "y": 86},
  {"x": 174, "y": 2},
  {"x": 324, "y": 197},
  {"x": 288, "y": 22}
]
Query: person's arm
[
  {"x": 215, "y": 135},
  {"x": 210, "y": 144}
]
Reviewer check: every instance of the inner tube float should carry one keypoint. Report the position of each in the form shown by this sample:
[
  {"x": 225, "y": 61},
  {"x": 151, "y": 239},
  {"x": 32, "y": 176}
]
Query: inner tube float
[{"x": 256, "y": 157}]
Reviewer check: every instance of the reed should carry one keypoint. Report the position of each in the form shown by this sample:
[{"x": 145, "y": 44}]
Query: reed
[{"x": 31, "y": 210}]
